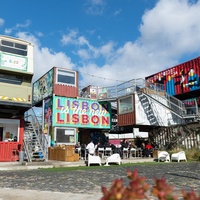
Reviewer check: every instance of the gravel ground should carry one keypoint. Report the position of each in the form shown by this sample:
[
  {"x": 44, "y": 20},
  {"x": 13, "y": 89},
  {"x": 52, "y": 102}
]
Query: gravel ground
[{"x": 181, "y": 175}]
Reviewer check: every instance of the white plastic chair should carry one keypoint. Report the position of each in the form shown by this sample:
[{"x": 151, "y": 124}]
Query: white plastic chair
[
  {"x": 114, "y": 158},
  {"x": 94, "y": 160},
  {"x": 125, "y": 152},
  {"x": 180, "y": 156},
  {"x": 108, "y": 151},
  {"x": 100, "y": 151},
  {"x": 133, "y": 152},
  {"x": 163, "y": 156}
]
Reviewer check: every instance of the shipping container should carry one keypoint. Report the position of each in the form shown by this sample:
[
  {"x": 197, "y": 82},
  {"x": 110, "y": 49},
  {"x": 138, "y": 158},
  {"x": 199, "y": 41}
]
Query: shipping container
[
  {"x": 181, "y": 80},
  {"x": 57, "y": 81},
  {"x": 126, "y": 110}
]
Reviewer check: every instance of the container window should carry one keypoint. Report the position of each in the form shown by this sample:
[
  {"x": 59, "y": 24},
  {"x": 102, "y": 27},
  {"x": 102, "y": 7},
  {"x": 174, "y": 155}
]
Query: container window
[
  {"x": 66, "y": 77},
  {"x": 65, "y": 135},
  {"x": 126, "y": 104},
  {"x": 14, "y": 48},
  {"x": 12, "y": 79}
]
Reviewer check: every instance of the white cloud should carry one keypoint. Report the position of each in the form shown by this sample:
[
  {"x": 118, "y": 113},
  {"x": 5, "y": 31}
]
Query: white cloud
[
  {"x": 107, "y": 50},
  {"x": 24, "y": 25},
  {"x": 1, "y": 22},
  {"x": 69, "y": 38},
  {"x": 39, "y": 34},
  {"x": 172, "y": 28},
  {"x": 95, "y": 7},
  {"x": 117, "y": 12},
  {"x": 83, "y": 54},
  {"x": 18, "y": 26},
  {"x": 44, "y": 58},
  {"x": 85, "y": 50},
  {"x": 8, "y": 31},
  {"x": 168, "y": 32}
]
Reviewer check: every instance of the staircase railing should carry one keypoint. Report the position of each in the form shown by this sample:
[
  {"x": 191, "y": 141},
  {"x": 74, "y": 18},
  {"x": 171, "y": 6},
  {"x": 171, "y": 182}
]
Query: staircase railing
[{"x": 34, "y": 130}]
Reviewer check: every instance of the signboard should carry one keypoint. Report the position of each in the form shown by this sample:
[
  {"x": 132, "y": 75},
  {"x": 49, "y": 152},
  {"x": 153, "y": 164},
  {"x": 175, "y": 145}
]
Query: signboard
[
  {"x": 13, "y": 62},
  {"x": 43, "y": 87},
  {"x": 81, "y": 113}
]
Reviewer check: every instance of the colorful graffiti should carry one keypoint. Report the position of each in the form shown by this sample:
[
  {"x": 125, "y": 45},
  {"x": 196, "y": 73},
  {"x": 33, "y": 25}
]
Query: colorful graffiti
[
  {"x": 43, "y": 87},
  {"x": 180, "y": 79},
  {"x": 47, "y": 116},
  {"x": 81, "y": 113}
]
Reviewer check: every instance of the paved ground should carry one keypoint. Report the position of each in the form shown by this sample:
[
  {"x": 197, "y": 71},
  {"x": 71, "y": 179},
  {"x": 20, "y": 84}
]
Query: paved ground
[{"x": 42, "y": 184}]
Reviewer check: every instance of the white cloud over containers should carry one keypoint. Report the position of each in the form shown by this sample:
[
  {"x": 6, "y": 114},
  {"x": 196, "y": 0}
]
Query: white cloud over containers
[
  {"x": 168, "y": 31},
  {"x": 172, "y": 28},
  {"x": 45, "y": 58}
]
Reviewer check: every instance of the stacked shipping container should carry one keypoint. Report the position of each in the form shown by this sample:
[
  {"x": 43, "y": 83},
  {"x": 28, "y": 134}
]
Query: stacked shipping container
[{"x": 181, "y": 81}]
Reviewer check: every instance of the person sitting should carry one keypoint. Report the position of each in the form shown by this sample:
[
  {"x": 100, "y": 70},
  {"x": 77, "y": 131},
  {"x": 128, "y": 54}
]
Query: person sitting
[
  {"x": 91, "y": 148},
  {"x": 132, "y": 145},
  {"x": 78, "y": 148},
  {"x": 114, "y": 148},
  {"x": 143, "y": 149},
  {"x": 77, "y": 145},
  {"x": 148, "y": 149},
  {"x": 99, "y": 152},
  {"x": 124, "y": 144}
]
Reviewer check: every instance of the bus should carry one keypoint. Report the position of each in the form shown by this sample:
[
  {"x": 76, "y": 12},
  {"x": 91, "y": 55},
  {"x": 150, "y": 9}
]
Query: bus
[{"x": 16, "y": 72}]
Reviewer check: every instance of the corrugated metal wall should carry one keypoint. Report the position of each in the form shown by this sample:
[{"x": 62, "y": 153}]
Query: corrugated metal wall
[
  {"x": 126, "y": 119},
  {"x": 180, "y": 79},
  {"x": 6, "y": 154}
]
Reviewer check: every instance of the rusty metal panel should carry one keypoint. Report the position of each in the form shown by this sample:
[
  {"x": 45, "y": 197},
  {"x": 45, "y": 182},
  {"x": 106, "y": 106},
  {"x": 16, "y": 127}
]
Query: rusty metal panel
[
  {"x": 126, "y": 119},
  {"x": 182, "y": 79},
  {"x": 66, "y": 91}
]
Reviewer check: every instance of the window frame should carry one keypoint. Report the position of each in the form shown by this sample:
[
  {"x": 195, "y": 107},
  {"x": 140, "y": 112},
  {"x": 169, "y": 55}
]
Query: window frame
[
  {"x": 11, "y": 79},
  {"x": 13, "y": 47},
  {"x": 65, "y": 132},
  {"x": 120, "y": 107},
  {"x": 59, "y": 71}
]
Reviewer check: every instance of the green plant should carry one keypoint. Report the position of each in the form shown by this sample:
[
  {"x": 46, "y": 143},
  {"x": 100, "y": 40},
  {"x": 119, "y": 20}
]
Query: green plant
[
  {"x": 193, "y": 154},
  {"x": 139, "y": 189}
]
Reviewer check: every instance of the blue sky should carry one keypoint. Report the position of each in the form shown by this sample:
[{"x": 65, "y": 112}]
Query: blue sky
[{"x": 107, "y": 41}]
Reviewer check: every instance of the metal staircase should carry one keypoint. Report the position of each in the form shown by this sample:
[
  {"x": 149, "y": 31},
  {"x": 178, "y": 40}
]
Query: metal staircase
[
  {"x": 182, "y": 120},
  {"x": 148, "y": 109},
  {"x": 35, "y": 142},
  {"x": 150, "y": 94}
]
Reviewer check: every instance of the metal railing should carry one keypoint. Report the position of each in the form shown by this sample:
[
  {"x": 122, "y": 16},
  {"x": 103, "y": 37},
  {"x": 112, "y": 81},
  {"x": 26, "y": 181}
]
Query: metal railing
[
  {"x": 155, "y": 90},
  {"x": 31, "y": 117}
]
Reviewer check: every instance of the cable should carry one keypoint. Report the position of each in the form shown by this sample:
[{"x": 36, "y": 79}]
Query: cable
[{"x": 102, "y": 77}]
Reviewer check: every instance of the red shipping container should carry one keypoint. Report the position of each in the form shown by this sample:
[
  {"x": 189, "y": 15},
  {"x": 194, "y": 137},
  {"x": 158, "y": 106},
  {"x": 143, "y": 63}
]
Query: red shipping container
[
  {"x": 181, "y": 81},
  {"x": 57, "y": 81}
]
